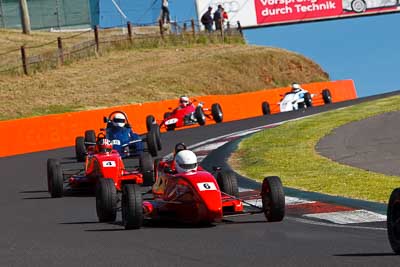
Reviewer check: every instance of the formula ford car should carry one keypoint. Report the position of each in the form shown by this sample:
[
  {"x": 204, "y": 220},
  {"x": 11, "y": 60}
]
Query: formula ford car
[
  {"x": 103, "y": 165},
  {"x": 124, "y": 140},
  {"x": 296, "y": 100},
  {"x": 198, "y": 197},
  {"x": 393, "y": 220},
  {"x": 189, "y": 115}
]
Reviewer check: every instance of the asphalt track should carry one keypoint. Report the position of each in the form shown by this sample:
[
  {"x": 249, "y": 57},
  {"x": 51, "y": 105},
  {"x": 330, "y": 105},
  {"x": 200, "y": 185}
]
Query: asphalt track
[
  {"x": 371, "y": 144},
  {"x": 36, "y": 230}
]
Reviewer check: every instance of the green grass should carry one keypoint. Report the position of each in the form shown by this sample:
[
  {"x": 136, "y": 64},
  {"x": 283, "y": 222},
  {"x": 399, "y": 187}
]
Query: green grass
[{"x": 289, "y": 152}]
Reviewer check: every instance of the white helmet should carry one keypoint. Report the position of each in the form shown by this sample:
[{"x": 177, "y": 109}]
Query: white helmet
[
  {"x": 296, "y": 86},
  {"x": 184, "y": 100},
  {"x": 119, "y": 120},
  {"x": 185, "y": 161}
]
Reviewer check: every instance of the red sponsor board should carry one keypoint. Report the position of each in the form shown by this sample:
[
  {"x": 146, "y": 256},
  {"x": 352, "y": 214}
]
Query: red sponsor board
[{"x": 268, "y": 11}]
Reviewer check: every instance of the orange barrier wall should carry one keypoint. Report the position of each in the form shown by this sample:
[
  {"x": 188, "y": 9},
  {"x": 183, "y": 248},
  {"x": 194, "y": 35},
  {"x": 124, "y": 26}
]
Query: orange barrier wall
[{"x": 55, "y": 131}]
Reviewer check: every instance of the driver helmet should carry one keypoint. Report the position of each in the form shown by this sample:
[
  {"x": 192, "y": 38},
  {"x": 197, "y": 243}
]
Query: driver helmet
[
  {"x": 183, "y": 101},
  {"x": 185, "y": 161},
  {"x": 119, "y": 120},
  {"x": 296, "y": 87},
  {"x": 104, "y": 145}
]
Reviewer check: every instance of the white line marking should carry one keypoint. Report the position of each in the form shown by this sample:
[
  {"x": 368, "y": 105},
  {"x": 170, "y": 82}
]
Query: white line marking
[
  {"x": 297, "y": 201},
  {"x": 346, "y": 217},
  {"x": 210, "y": 147},
  {"x": 200, "y": 158},
  {"x": 307, "y": 221}
]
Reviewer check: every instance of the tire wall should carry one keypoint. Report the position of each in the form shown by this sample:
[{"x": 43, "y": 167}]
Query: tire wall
[{"x": 56, "y": 131}]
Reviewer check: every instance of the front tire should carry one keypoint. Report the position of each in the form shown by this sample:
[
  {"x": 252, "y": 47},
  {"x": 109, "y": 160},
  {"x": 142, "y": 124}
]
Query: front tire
[
  {"x": 199, "y": 115},
  {"x": 326, "y": 96},
  {"x": 150, "y": 121},
  {"x": 308, "y": 100},
  {"x": 132, "y": 206},
  {"x": 265, "y": 108},
  {"x": 106, "y": 200},
  {"x": 55, "y": 178},
  {"x": 227, "y": 183},
  {"x": 146, "y": 168},
  {"x": 216, "y": 112},
  {"x": 80, "y": 149},
  {"x": 393, "y": 220},
  {"x": 273, "y": 199}
]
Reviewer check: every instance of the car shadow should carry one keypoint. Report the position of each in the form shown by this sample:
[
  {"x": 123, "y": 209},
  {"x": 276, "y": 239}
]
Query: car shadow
[
  {"x": 385, "y": 254},
  {"x": 224, "y": 221},
  {"x": 32, "y": 191},
  {"x": 80, "y": 223},
  {"x": 66, "y": 193}
]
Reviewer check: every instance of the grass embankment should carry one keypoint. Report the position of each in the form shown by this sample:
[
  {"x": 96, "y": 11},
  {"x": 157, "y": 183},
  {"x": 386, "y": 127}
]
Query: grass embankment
[
  {"x": 289, "y": 152},
  {"x": 125, "y": 76}
]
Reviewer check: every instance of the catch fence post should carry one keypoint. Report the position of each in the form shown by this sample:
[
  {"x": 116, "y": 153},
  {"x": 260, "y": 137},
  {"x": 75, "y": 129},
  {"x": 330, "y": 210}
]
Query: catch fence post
[
  {"x": 24, "y": 62},
  {"x": 60, "y": 50},
  {"x": 240, "y": 28},
  {"x": 193, "y": 28},
  {"x": 129, "y": 26},
  {"x": 96, "y": 37}
]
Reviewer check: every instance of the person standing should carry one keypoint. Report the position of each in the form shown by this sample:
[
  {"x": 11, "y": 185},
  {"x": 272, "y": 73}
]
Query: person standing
[
  {"x": 207, "y": 20},
  {"x": 218, "y": 18},
  {"x": 165, "y": 12}
]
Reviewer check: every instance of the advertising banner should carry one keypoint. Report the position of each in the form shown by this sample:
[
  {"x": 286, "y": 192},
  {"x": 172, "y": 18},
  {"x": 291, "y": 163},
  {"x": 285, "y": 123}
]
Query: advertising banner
[{"x": 258, "y": 13}]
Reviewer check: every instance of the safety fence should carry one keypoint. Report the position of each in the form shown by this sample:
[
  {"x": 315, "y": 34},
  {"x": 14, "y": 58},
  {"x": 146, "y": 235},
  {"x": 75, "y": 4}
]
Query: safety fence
[{"x": 69, "y": 47}]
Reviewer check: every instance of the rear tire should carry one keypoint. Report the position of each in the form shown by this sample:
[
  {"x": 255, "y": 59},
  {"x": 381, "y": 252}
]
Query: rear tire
[
  {"x": 90, "y": 136},
  {"x": 146, "y": 168},
  {"x": 199, "y": 115},
  {"x": 55, "y": 178},
  {"x": 132, "y": 206},
  {"x": 393, "y": 220},
  {"x": 167, "y": 115},
  {"x": 326, "y": 96},
  {"x": 150, "y": 121},
  {"x": 106, "y": 200},
  {"x": 80, "y": 149},
  {"x": 216, "y": 112},
  {"x": 265, "y": 108},
  {"x": 273, "y": 199},
  {"x": 308, "y": 100},
  {"x": 156, "y": 129},
  {"x": 152, "y": 142},
  {"x": 227, "y": 183}
]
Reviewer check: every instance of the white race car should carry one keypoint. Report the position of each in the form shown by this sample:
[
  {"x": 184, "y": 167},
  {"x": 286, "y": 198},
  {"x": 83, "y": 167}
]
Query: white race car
[{"x": 296, "y": 100}]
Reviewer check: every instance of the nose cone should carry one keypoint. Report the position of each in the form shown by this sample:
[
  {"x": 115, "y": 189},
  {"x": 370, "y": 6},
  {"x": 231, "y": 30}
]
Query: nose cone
[{"x": 211, "y": 209}]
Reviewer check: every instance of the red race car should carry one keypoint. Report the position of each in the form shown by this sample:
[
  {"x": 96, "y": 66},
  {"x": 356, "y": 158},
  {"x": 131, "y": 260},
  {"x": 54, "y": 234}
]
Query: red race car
[
  {"x": 185, "y": 193},
  {"x": 187, "y": 114},
  {"x": 103, "y": 165}
]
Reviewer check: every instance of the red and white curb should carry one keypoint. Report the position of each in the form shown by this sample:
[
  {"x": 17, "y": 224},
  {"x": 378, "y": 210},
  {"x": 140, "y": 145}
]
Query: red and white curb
[{"x": 308, "y": 209}]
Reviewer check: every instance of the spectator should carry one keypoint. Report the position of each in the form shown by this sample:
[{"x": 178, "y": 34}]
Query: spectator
[
  {"x": 218, "y": 18},
  {"x": 224, "y": 16},
  {"x": 207, "y": 20},
  {"x": 164, "y": 12}
]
